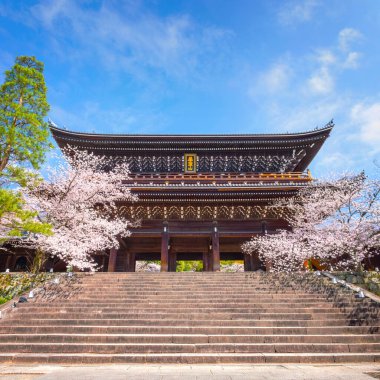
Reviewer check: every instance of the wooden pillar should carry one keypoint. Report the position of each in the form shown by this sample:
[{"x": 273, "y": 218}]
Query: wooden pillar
[
  {"x": 255, "y": 261},
  {"x": 112, "y": 260},
  {"x": 130, "y": 261},
  {"x": 103, "y": 263},
  {"x": 215, "y": 248},
  {"x": 165, "y": 248},
  {"x": 172, "y": 261},
  {"x": 252, "y": 262},
  {"x": 247, "y": 263},
  {"x": 206, "y": 261}
]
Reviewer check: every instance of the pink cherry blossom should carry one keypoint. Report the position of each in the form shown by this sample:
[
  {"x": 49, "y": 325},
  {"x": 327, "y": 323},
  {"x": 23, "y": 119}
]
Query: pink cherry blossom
[
  {"x": 79, "y": 198},
  {"x": 334, "y": 221}
]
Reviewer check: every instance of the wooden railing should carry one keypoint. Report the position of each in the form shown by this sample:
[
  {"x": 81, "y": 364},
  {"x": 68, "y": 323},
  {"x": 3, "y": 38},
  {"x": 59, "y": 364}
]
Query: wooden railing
[{"x": 204, "y": 178}]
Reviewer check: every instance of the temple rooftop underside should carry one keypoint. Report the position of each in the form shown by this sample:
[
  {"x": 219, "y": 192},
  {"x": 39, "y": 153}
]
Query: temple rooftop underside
[{"x": 201, "y": 196}]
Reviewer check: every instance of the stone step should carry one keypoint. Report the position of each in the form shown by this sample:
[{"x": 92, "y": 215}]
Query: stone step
[
  {"x": 186, "y": 338},
  {"x": 165, "y": 312},
  {"x": 180, "y": 308},
  {"x": 164, "y": 305},
  {"x": 191, "y": 318},
  {"x": 159, "y": 297},
  {"x": 120, "y": 348},
  {"x": 193, "y": 358},
  {"x": 280, "y": 318},
  {"x": 100, "y": 327},
  {"x": 189, "y": 301},
  {"x": 217, "y": 295},
  {"x": 150, "y": 321},
  {"x": 121, "y": 322}
]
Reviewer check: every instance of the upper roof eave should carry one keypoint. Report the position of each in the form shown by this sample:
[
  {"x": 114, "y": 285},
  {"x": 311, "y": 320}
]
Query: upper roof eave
[{"x": 325, "y": 131}]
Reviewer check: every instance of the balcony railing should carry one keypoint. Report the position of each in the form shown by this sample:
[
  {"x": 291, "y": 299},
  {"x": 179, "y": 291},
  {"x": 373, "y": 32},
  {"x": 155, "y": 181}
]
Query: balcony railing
[{"x": 218, "y": 180}]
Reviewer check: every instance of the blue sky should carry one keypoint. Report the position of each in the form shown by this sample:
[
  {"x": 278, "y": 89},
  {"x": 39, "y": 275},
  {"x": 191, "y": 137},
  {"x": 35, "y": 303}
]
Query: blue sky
[{"x": 208, "y": 66}]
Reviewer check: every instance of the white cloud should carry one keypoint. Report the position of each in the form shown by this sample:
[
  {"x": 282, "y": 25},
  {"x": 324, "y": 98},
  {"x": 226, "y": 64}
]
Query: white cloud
[
  {"x": 270, "y": 82},
  {"x": 334, "y": 60},
  {"x": 326, "y": 57},
  {"x": 306, "y": 115},
  {"x": 276, "y": 78},
  {"x": 297, "y": 11},
  {"x": 321, "y": 82},
  {"x": 346, "y": 37},
  {"x": 338, "y": 161},
  {"x": 352, "y": 60},
  {"x": 122, "y": 37},
  {"x": 92, "y": 114},
  {"x": 367, "y": 119}
]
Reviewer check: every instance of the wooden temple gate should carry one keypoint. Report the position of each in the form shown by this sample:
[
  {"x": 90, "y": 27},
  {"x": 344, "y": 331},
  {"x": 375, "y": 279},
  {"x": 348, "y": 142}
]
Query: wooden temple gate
[{"x": 201, "y": 196}]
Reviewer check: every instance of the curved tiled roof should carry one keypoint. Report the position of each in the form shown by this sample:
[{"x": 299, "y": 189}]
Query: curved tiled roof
[{"x": 308, "y": 143}]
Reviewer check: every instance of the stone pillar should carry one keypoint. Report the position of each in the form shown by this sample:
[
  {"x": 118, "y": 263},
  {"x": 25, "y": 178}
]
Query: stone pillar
[
  {"x": 112, "y": 260},
  {"x": 165, "y": 248},
  {"x": 215, "y": 248}
]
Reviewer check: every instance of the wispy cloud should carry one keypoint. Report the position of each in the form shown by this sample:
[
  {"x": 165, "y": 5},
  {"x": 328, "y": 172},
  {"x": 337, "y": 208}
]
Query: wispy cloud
[
  {"x": 124, "y": 37},
  {"x": 112, "y": 120},
  {"x": 326, "y": 57},
  {"x": 315, "y": 74},
  {"x": 366, "y": 118},
  {"x": 332, "y": 61},
  {"x": 321, "y": 82},
  {"x": 314, "y": 93},
  {"x": 272, "y": 81},
  {"x": 299, "y": 11},
  {"x": 352, "y": 60},
  {"x": 347, "y": 36}
]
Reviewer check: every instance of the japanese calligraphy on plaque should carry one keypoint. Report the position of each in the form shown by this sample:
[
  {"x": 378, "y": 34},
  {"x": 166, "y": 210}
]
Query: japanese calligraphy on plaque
[{"x": 190, "y": 163}]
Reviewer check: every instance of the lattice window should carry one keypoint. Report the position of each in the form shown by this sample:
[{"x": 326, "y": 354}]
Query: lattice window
[{"x": 203, "y": 212}]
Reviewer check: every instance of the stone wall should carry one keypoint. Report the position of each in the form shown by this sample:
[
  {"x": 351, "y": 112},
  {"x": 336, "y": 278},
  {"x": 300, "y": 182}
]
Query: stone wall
[{"x": 366, "y": 280}]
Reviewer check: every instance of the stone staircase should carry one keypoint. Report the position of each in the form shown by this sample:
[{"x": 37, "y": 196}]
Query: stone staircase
[{"x": 192, "y": 318}]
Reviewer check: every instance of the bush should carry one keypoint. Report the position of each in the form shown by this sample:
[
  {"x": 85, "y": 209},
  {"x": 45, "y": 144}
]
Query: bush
[{"x": 12, "y": 285}]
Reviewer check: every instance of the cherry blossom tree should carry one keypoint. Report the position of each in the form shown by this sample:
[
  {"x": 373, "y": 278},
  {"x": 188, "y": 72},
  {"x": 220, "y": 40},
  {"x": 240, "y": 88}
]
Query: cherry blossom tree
[
  {"x": 333, "y": 221},
  {"x": 79, "y": 199}
]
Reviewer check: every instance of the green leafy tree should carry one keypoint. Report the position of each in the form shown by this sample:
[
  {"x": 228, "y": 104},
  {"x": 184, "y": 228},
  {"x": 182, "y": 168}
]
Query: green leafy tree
[
  {"x": 24, "y": 135},
  {"x": 24, "y": 140},
  {"x": 15, "y": 219}
]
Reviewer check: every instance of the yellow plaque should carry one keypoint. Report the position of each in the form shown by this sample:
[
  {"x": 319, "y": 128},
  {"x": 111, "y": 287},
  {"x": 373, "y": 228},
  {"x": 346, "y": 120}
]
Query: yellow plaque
[{"x": 190, "y": 163}]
